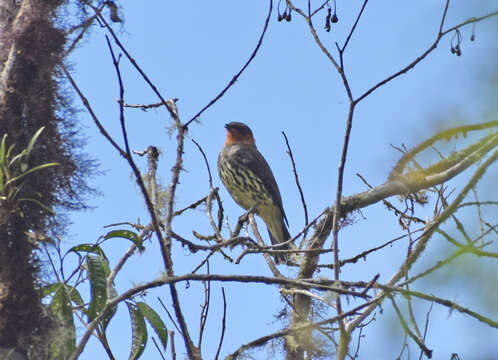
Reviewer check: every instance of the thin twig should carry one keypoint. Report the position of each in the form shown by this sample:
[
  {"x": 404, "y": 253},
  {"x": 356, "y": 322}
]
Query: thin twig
[
  {"x": 341, "y": 50},
  {"x": 421, "y": 244},
  {"x": 414, "y": 337},
  {"x": 443, "y": 18},
  {"x": 343, "y": 342},
  {"x": 205, "y": 306},
  {"x": 426, "y": 326},
  {"x": 290, "y": 330},
  {"x": 172, "y": 342},
  {"x": 296, "y": 177},
  {"x": 268, "y": 259},
  {"x": 168, "y": 104},
  {"x": 158, "y": 348},
  {"x": 424, "y": 54},
  {"x": 223, "y": 323},
  {"x": 207, "y": 163},
  {"x": 236, "y": 76},
  {"x": 169, "y": 315}
]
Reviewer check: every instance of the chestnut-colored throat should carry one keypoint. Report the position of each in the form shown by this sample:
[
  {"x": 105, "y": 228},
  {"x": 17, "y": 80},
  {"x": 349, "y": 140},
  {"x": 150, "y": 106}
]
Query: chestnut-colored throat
[{"x": 238, "y": 138}]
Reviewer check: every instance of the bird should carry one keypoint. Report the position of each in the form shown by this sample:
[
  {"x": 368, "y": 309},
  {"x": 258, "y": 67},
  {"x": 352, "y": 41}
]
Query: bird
[{"x": 250, "y": 181}]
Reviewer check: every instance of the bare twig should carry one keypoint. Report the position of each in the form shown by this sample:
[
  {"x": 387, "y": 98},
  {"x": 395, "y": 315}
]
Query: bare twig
[
  {"x": 414, "y": 337},
  {"x": 158, "y": 348},
  {"x": 343, "y": 48},
  {"x": 443, "y": 18},
  {"x": 169, "y": 315},
  {"x": 172, "y": 342},
  {"x": 205, "y": 306},
  {"x": 223, "y": 323},
  {"x": 421, "y": 244},
  {"x": 168, "y": 104},
  {"x": 426, "y": 326},
  {"x": 344, "y": 338},
  {"x": 424, "y": 54},
  {"x": 236, "y": 76},
  {"x": 265, "y": 339},
  {"x": 268, "y": 259},
  {"x": 296, "y": 177},
  {"x": 206, "y": 161}
]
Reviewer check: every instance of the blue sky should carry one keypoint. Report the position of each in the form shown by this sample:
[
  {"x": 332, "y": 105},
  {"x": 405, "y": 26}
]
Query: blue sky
[{"x": 192, "y": 49}]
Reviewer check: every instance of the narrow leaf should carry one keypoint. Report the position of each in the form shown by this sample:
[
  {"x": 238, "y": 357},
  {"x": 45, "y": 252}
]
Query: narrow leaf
[
  {"x": 51, "y": 288},
  {"x": 127, "y": 234},
  {"x": 111, "y": 312},
  {"x": 98, "y": 288},
  {"x": 62, "y": 309},
  {"x": 12, "y": 162},
  {"x": 2, "y": 149},
  {"x": 88, "y": 248},
  {"x": 74, "y": 295},
  {"x": 138, "y": 331},
  {"x": 1, "y": 180},
  {"x": 40, "y": 204},
  {"x": 36, "y": 168},
  {"x": 155, "y": 321},
  {"x": 7, "y": 156},
  {"x": 29, "y": 148}
]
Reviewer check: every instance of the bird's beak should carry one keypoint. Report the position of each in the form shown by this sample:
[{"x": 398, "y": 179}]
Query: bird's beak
[{"x": 226, "y": 126}]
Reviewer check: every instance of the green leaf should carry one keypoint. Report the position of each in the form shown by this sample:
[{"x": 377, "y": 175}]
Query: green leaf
[
  {"x": 127, "y": 234},
  {"x": 7, "y": 156},
  {"x": 61, "y": 307},
  {"x": 29, "y": 148},
  {"x": 98, "y": 285},
  {"x": 155, "y": 321},
  {"x": 12, "y": 162},
  {"x": 2, "y": 150},
  {"x": 138, "y": 331},
  {"x": 1, "y": 180},
  {"x": 75, "y": 295},
  {"x": 111, "y": 312},
  {"x": 50, "y": 288},
  {"x": 40, "y": 204},
  {"x": 36, "y": 168},
  {"x": 88, "y": 248}
]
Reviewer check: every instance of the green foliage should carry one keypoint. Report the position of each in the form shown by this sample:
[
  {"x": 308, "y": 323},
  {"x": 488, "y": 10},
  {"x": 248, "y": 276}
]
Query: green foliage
[
  {"x": 66, "y": 300},
  {"x": 14, "y": 168},
  {"x": 138, "y": 331},
  {"x": 62, "y": 309},
  {"x": 98, "y": 285},
  {"x": 155, "y": 321},
  {"x": 126, "y": 234}
]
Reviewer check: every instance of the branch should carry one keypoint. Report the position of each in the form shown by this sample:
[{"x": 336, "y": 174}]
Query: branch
[
  {"x": 421, "y": 244},
  {"x": 296, "y": 329},
  {"x": 234, "y": 79},
  {"x": 289, "y": 151},
  {"x": 223, "y": 323},
  {"x": 168, "y": 104},
  {"x": 450, "y": 304},
  {"x": 425, "y": 53}
]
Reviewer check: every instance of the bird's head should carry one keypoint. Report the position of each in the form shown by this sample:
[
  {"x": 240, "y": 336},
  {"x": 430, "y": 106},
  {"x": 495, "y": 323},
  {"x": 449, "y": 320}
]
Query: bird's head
[{"x": 239, "y": 133}]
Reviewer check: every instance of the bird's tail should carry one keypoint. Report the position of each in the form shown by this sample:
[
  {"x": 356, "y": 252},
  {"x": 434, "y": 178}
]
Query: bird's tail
[{"x": 279, "y": 234}]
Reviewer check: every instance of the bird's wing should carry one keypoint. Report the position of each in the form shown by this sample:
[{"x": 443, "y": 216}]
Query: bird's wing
[{"x": 256, "y": 163}]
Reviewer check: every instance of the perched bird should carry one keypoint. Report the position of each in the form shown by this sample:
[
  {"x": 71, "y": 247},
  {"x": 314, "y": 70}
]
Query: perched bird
[{"x": 249, "y": 180}]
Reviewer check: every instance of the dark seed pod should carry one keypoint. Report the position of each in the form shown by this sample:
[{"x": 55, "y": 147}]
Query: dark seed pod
[
  {"x": 334, "y": 19},
  {"x": 472, "y": 37},
  {"x": 288, "y": 16},
  {"x": 453, "y": 50},
  {"x": 280, "y": 18},
  {"x": 327, "y": 21},
  {"x": 459, "y": 52}
]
